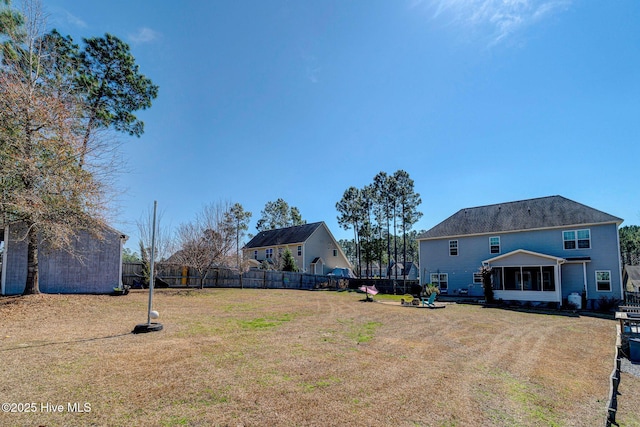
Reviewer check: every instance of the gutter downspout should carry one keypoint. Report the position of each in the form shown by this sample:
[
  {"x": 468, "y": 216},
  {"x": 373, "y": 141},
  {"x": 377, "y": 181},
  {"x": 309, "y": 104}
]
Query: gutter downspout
[
  {"x": 622, "y": 295},
  {"x": 584, "y": 278}
]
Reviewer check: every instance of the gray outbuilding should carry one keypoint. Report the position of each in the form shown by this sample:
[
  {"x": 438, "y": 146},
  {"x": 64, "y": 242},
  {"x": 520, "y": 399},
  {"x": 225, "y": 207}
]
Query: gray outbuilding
[{"x": 94, "y": 267}]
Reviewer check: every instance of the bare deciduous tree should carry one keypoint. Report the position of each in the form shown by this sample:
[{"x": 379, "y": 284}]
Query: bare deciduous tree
[
  {"x": 164, "y": 241},
  {"x": 207, "y": 241},
  {"x": 42, "y": 187}
]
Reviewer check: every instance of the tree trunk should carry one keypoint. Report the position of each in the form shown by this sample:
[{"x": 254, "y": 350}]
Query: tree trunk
[
  {"x": 388, "y": 272},
  {"x": 32, "y": 286},
  {"x": 404, "y": 245},
  {"x": 203, "y": 276},
  {"x": 395, "y": 244}
]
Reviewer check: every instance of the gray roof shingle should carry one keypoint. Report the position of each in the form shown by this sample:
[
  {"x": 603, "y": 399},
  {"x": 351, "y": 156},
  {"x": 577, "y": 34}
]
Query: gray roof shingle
[
  {"x": 283, "y": 236},
  {"x": 544, "y": 212}
]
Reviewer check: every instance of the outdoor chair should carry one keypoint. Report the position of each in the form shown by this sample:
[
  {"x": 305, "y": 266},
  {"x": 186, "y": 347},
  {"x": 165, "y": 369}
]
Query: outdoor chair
[{"x": 430, "y": 302}]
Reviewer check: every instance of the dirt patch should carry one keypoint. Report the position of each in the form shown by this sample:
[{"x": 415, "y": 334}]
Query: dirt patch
[{"x": 284, "y": 357}]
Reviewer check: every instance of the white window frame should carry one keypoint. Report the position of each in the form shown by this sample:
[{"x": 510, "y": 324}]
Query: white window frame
[
  {"x": 477, "y": 278},
  {"x": 491, "y": 245},
  {"x": 255, "y": 254},
  {"x": 576, "y": 239},
  {"x": 335, "y": 252},
  {"x": 438, "y": 278},
  {"x": 453, "y": 247},
  {"x": 268, "y": 253},
  {"x": 299, "y": 250},
  {"x": 608, "y": 272},
  {"x": 588, "y": 239}
]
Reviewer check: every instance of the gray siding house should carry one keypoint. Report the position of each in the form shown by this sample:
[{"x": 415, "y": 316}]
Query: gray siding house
[
  {"x": 313, "y": 247},
  {"x": 541, "y": 250},
  {"x": 96, "y": 268}
]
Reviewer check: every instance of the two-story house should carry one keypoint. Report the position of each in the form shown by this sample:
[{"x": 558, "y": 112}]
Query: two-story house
[
  {"x": 313, "y": 247},
  {"x": 541, "y": 250}
]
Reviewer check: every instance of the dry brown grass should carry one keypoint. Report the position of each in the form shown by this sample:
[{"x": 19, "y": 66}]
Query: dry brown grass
[{"x": 292, "y": 358}]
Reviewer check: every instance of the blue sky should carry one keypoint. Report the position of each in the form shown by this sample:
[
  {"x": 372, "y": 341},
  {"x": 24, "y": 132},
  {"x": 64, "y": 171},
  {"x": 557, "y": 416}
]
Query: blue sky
[{"x": 481, "y": 101}]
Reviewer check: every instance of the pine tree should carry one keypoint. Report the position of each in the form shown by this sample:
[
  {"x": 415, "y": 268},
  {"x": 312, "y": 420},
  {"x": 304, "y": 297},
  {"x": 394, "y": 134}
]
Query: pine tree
[{"x": 288, "y": 261}]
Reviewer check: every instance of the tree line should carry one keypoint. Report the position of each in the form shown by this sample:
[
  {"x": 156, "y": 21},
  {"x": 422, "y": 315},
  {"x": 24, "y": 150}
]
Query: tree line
[
  {"x": 630, "y": 244},
  {"x": 381, "y": 215}
]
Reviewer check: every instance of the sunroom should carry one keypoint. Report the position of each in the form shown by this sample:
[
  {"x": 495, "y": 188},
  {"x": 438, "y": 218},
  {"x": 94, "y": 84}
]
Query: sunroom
[{"x": 524, "y": 275}]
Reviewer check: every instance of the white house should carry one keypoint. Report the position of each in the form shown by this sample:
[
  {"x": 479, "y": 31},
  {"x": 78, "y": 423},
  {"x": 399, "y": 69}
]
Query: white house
[{"x": 313, "y": 247}]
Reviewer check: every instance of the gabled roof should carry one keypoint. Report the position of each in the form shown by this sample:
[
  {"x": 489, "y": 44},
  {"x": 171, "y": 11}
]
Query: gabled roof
[
  {"x": 633, "y": 272},
  {"x": 283, "y": 236},
  {"x": 524, "y": 252},
  {"x": 407, "y": 265},
  {"x": 531, "y": 214}
]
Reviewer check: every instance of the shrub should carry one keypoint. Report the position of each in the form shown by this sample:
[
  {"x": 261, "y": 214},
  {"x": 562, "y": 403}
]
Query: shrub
[
  {"x": 607, "y": 304},
  {"x": 431, "y": 288},
  {"x": 485, "y": 271}
]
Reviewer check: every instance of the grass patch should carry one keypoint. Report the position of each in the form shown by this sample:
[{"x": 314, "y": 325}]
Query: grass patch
[
  {"x": 265, "y": 322},
  {"x": 529, "y": 397},
  {"x": 389, "y": 297},
  {"x": 368, "y": 331},
  {"x": 361, "y": 333},
  {"x": 309, "y": 387},
  {"x": 288, "y": 357}
]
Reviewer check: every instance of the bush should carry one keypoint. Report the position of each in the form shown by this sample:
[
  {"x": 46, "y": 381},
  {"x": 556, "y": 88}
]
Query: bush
[
  {"x": 485, "y": 271},
  {"x": 429, "y": 289},
  {"x": 607, "y": 304}
]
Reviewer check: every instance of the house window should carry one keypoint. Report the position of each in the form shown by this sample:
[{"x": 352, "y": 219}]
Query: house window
[
  {"x": 299, "y": 250},
  {"x": 440, "y": 280},
  {"x": 255, "y": 254},
  {"x": 477, "y": 278},
  {"x": 577, "y": 239},
  {"x": 269, "y": 253},
  {"x": 453, "y": 247},
  {"x": 603, "y": 281},
  {"x": 494, "y": 245},
  {"x": 584, "y": 239},
  {"x": 335, "y": 252}
]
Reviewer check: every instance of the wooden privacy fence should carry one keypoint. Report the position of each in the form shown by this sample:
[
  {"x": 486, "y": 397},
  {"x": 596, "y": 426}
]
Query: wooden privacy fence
[{"x": 174, "y": 276}]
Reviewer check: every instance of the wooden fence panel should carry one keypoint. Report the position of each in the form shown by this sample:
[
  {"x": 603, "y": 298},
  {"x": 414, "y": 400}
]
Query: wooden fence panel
[{"x": 176, "y": 276}]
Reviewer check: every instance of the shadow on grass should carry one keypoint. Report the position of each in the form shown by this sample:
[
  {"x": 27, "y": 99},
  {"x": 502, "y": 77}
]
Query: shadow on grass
[
  {"x": 76, "y": 341},
  {"x": 532, "y": 310}
]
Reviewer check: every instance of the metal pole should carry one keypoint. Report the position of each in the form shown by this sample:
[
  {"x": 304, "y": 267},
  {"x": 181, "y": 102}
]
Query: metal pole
[{"x": 152, "y": 261}]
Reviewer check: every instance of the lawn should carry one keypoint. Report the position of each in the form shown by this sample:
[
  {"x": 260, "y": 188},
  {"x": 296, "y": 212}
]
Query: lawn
[{"x": 232, "y": 357}]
